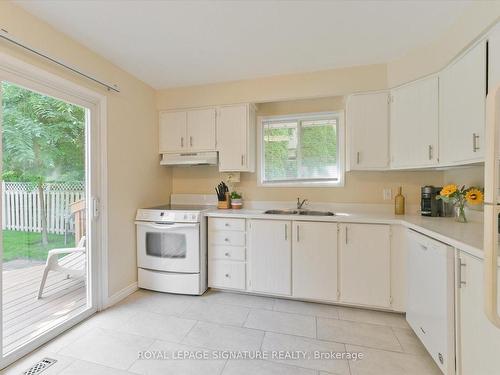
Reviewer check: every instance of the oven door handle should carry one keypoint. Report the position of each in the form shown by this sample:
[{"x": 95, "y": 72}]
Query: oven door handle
[{"x": 165, "y": 226}]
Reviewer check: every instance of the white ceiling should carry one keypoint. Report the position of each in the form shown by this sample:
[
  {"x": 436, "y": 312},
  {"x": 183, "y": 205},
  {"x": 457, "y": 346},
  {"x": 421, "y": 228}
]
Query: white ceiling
[{"x": 182, "y": 43}]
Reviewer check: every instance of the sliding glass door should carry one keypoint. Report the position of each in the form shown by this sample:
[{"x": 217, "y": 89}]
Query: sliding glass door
[{"x": 47, "y": 227}]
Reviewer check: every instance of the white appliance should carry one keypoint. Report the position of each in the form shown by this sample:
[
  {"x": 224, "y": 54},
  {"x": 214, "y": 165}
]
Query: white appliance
[
  {"x": 491, "y": 205},
  {"x": 190, "y": 158},
  {"x": 172, "y": 249},
  {"x": 430, "y": 306}
]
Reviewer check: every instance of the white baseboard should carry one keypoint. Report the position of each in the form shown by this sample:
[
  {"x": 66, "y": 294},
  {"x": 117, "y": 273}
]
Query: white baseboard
[{"x": 121, "y": 294}]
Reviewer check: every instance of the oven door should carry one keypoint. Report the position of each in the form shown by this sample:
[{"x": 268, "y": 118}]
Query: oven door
[{"x": 169, "y": 247}]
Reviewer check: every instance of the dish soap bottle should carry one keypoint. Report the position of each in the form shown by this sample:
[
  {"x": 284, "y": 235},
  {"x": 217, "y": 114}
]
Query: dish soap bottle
[{"x": 399, "y": 203}]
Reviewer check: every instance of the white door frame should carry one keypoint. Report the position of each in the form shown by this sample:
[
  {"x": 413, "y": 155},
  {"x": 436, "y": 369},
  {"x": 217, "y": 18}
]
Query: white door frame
[{"x": 36, "y": 79}]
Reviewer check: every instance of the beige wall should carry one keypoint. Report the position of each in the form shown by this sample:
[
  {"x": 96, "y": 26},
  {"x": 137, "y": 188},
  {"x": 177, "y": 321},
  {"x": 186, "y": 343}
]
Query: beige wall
[
  {"x": 435, "y": 56},
  {"x": 469, "y": 176},
  {"x": 271, "y": 89},
  {"x": 360, "y": 187},
  {"x": 134, "y": 175}
]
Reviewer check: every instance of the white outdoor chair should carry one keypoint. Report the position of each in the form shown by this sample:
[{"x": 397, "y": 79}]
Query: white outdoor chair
[{"x": 54, "y": 265}]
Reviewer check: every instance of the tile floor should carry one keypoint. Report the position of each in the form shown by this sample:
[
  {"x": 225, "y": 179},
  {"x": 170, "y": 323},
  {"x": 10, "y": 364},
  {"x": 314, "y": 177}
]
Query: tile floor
[{"x": 163, "y": 324}]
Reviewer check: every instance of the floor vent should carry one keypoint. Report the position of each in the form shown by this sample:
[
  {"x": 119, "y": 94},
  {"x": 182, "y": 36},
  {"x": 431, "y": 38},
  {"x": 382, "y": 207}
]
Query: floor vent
[{"x": 40, "y": 366}]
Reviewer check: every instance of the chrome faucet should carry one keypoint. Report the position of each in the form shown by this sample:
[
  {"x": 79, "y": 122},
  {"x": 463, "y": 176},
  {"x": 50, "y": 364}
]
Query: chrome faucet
[{"x": 301, "y": 204}]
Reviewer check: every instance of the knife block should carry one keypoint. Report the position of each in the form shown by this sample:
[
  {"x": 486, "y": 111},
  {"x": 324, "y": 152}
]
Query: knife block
[{"x": 225, "y": 204}]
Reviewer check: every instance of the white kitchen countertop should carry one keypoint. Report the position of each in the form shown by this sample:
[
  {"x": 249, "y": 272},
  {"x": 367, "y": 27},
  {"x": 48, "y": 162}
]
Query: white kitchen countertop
[{"x": 464, "y": 236}]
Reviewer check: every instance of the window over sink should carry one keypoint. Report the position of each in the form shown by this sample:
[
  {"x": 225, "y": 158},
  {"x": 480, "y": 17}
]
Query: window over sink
[{"x": 302, "y": 150}]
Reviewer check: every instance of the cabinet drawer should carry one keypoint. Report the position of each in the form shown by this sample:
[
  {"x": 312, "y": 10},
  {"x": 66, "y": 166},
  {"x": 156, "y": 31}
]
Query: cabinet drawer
[
  {"x": 216, "y": 224},
  {"x": 227, "y": 238},
  {"x": 226, "y": 252},
  {"x": 226, "y": 274}
]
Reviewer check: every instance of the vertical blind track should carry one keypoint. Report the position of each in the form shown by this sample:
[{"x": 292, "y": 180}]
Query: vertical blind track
[{"x": 4, "y": 34}]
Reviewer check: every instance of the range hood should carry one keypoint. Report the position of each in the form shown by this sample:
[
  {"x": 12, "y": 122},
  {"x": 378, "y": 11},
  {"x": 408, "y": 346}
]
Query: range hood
[{"x": 190, "y": 158}]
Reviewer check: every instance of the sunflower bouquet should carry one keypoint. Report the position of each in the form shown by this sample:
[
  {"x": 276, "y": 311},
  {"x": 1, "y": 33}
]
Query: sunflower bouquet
[{"x": 459, "y": 197}]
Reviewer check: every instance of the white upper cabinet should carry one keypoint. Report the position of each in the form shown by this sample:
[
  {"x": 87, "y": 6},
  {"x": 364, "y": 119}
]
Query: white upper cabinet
[
  {"x": 314, "y": 260},
  {"x": 462, "y": 87},
  {"x": 414, "y": 124},
  {"x": 201, "y": 129},
  {"x": 236, "y": 138},
  {"x": 367, "y": 118},
  {"x": 173, "y": 131},
  {"x": 183, "y": 131},
  {"x": 365, "y": 264}
]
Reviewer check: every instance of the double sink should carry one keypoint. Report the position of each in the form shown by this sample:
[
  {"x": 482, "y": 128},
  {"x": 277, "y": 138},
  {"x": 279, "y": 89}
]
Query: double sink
[{"x": 300, "y": 212}]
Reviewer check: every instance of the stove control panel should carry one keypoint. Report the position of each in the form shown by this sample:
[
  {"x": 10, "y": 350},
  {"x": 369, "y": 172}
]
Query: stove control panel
[{"x": 168, "y": 216}]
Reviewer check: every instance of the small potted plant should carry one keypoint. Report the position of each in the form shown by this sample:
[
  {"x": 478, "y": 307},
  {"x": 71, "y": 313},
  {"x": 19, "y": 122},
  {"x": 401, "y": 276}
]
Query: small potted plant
[
  {"x": 236, "y": 200},
  {"x": 459, "y": 197}
]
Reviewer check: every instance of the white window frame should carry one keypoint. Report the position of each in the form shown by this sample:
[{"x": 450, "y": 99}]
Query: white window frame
[{"x": 340, "y": 150}]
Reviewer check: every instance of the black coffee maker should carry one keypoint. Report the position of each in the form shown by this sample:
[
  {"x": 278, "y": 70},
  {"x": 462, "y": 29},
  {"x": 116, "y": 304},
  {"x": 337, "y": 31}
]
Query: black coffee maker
[{"x": 429, "y": 205}]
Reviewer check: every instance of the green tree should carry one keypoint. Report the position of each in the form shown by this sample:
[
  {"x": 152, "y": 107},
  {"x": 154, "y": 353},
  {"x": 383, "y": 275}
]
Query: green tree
[
  {"x": 43, "y": 141},
  {"x": 315, "y": 154}
]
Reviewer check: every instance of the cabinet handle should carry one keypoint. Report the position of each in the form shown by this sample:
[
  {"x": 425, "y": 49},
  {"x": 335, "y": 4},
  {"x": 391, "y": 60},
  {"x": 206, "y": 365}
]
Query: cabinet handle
[
  {"x": 191, "y": 141},
  {"x": 431, "y": 152},
  {"x": 298, "y": 231},
  {"x": 346, "y": 234},
  {"x": 227, "y": 275},
  {"x": 226, "y": 239},
  {"x": 461, "y": 283},
  {"x": 423, "y": 247},
  {"x": 226, "y": 254},
  {"x": 242, "y": 159},
  {"x": 475, "y": 137},
  {"x": 357, "y": 157},
  {"x": 286, "y": 232},
  {"x": 182, "y": 141},
  {"x": 226, "y": 224}
]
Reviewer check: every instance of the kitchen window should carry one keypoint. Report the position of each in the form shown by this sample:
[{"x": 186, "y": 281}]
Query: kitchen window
[{"x": 302, "y": 150}]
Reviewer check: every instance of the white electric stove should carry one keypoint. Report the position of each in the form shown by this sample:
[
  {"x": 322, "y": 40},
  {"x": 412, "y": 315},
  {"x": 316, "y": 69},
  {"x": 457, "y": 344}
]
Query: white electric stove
[{"x": 172, "y": 248}]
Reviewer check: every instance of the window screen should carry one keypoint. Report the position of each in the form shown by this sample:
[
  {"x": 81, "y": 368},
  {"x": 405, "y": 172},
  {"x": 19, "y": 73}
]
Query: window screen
[{"x": 302, "y": 149}]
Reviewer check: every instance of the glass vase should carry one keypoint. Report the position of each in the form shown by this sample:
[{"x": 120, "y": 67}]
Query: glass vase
[{"x": 460, "y": 213}]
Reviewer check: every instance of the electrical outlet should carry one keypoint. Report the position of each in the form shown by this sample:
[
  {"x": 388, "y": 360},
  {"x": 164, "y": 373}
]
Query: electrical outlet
[
  {"x": 231, "y": 177},
  {"x": 387, "y": 194}
]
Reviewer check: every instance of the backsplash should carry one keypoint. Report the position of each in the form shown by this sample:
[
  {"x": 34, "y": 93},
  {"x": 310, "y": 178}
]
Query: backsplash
[{"x": 360, "y": 187}]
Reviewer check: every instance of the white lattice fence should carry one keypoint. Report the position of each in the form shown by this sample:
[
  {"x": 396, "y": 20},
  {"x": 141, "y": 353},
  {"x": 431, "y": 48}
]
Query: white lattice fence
[{"x": 21, "y": 205}]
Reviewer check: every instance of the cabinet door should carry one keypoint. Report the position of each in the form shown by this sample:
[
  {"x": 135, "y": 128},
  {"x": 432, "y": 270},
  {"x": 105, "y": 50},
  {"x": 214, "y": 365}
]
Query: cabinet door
[
  {"x": 479, "y": 338},
  {"x": 314, "y": 259},
  {"x": 414, "y": 124},
  {"x": 201, "y": 129},
  {"x": 232, "y": 137},
  {"x": 462, "y": 88},
  {"x": 270, "y": 256},
  {"x": 368, "y": 131},
  {"x": 173, "y": 131},
  {"x": 365, "y": 264}
]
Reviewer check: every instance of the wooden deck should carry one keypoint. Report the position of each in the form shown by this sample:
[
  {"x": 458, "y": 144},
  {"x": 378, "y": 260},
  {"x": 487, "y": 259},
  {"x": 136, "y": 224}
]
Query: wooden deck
[{"x": 25, "y": 316}]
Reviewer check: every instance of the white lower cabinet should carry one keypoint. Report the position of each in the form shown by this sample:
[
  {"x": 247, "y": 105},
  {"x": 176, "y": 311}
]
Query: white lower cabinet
[
  {"x": 226, "y": 274},
  {"x": 226, "y": 253},
  {"x": 270, "y": 256},
  {"x": 314, "y": 260},
  {"x": 306, "y": 260},
  {"x": 478, "y": 339},
  {"x": 365, "y": 264}
]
